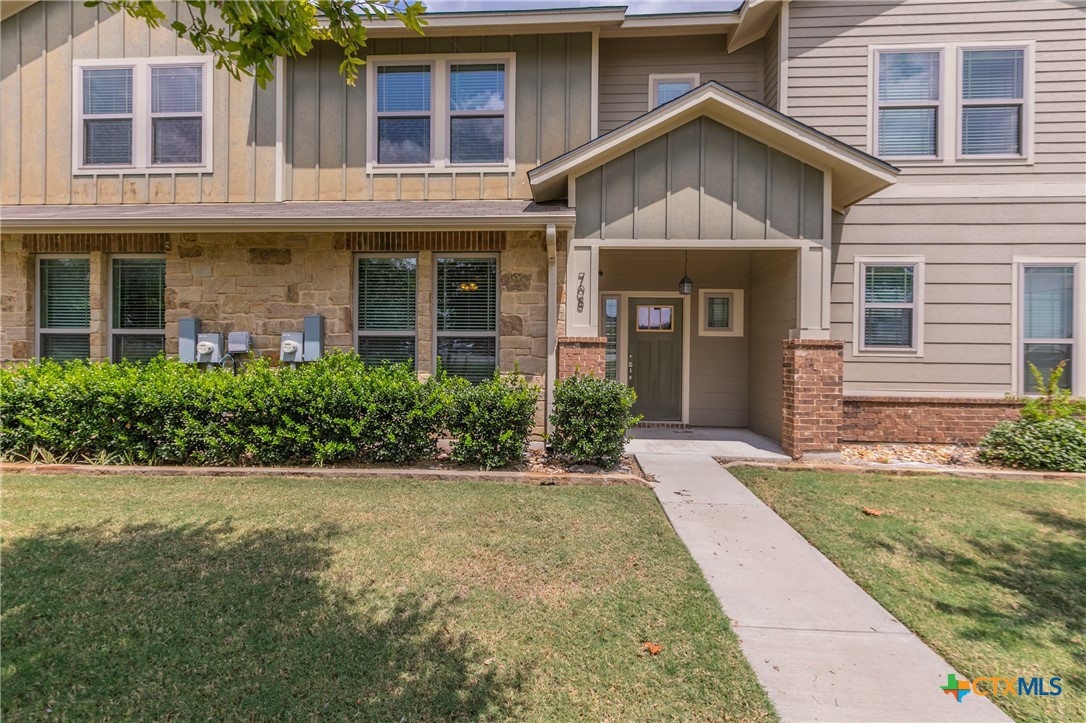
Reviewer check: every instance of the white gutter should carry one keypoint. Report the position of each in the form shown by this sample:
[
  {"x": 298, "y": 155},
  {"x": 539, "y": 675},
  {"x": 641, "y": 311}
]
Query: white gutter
[{"x": 552, "y": 322}]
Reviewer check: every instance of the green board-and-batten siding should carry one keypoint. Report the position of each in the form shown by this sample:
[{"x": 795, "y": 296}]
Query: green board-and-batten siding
[{"x": 702, "y": 180}]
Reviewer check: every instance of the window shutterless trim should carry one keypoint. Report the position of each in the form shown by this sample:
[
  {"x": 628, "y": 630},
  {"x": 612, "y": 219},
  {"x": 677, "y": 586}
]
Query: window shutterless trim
[
  {"x": 114, "y": 331},
  {"x": 1078, "y": 322},
  {"x": 495, "y": 334},
  {"x": 655, "y": 79},
  {"x": 142, "y": 126},
  {"x": 38, "y": 328},
  {"x": 877, "y": 105},
  {"x": 1024, "y": 104},
  {"x": 358, "y": 331},
  {"x": 736, "y": 312},
  {"x": 440, "y": 125},
  {"x": 860, "y": 263}
]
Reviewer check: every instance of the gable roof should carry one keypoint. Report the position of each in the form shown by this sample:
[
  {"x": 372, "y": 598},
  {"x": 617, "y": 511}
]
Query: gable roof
[{"x": 856, "y": 175}]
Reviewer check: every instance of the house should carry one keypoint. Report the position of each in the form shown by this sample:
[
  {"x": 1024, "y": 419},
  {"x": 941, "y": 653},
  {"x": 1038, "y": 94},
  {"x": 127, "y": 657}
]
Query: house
[{"x": 823, "y": 221}]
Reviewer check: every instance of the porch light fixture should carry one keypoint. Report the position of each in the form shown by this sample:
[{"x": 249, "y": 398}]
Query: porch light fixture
[{"x": 686, "y": 286}]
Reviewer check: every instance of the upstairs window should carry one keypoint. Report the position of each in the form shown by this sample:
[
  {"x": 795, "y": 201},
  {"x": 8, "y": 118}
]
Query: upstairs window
[
  {"x": 142, "y": 113},
  {"x": 444, "y": 112},
  {"x": 64, "y": 308},
  {"x": 908, "y": 107},
  {"x": 992, "y": 102},
  {"x": 666, "y": 88}
]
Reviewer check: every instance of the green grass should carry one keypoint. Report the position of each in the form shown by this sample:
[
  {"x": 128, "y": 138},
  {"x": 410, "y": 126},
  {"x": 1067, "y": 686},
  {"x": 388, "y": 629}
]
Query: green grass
[
  {"x": 991, "y": 574},
  {"x": 197, "y": 597}
]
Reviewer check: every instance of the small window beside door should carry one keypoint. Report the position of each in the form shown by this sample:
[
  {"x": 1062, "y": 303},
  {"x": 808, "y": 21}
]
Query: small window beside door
[
  {"x": 720, "y": 312},
  {"x": 666, "y": 88}
]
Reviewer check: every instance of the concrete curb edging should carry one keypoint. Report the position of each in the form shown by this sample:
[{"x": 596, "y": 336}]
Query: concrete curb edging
[
  {"x": 445, "y": 475},
  {"x": 964, "y": 472}
]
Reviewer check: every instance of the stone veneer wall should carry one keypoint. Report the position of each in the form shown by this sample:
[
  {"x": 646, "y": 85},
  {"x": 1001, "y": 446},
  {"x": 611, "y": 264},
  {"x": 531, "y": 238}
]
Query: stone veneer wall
[{"x": 923, "y": 420}]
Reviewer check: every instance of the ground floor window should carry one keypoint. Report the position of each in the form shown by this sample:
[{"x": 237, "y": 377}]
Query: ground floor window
[
  {"x": 466, "y": 315},
  {"x": 1048, "y": 320},
  {"x": 386, "y": 303},
  {"x": 138, "y": 301},
  {"x": 890, "y": 308},
  {"x": 64, "y": 308}
]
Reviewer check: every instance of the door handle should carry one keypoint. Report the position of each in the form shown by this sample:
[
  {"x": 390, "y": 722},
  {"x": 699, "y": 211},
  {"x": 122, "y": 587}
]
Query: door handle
[{"x": 629, "y": 365}]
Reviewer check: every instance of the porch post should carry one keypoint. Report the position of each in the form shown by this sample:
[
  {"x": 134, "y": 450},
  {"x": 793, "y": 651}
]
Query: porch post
[{"x": 581, "y": 348}]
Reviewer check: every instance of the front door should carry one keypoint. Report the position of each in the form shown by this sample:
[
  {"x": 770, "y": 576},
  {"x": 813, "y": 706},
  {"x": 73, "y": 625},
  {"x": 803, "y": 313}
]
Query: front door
[{"x": 655, "y": 357}]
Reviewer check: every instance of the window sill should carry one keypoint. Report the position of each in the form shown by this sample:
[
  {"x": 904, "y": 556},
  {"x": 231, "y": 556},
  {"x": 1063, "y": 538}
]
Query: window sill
[
  {"x": 375, "y": 170},
  {"x": 888, "y": 354},
  {"x": 139, "y": 170}
]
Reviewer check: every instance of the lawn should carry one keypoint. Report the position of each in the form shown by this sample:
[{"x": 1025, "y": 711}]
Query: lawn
[
  {"x": 991, "y": 574},
  {"x": 197, "y": 597}
]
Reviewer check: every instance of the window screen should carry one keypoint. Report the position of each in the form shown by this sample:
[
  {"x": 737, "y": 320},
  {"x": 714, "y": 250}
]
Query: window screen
[
  {"x": 908, "y": 103},
  {"x": 889, "y": 308},
  {"x": 1047, "y": 321},
  {"x": 387, "y": 302},
  {"x": 64, "y": 309},
  {"x": 466, "y": 310},
  {"x": 138, "y": 308}
]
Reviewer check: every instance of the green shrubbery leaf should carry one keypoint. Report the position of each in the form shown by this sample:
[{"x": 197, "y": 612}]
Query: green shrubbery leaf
[
  {"x": 590, "y": 419},
  {"x": 491, "y": 421}
]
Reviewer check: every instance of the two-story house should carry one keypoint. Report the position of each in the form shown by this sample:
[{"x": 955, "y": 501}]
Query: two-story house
[{"x": 824, "y": 221}]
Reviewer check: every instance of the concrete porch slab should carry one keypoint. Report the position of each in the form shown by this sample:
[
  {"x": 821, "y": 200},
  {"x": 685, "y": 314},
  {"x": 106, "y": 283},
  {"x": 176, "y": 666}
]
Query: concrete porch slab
[{"x": 730, "y": 442}]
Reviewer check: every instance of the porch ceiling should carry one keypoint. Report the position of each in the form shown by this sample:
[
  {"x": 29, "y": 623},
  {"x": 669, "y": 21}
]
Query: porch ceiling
[{"x": 855, "y": 174}]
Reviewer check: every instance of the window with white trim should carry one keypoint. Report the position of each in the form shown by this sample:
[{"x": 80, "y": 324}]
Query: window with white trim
[
  {"x": 889, "y": 313},
  {"x": 992, "y": 101},
  {"x": 1047, "y": 321},
  {"x": 63, "y": 309},
  {"x": 386, "y": 301},
  {"x": 137, "y": 307},
  {"x": 442, "y": 112},
  {"x": 908, "y": 108},
  {"x": 466, "y": 315},
  {"x": 142, "y": 113},
  {"x": 666, "y": 88},
  {"x": 611, "y": 306}
]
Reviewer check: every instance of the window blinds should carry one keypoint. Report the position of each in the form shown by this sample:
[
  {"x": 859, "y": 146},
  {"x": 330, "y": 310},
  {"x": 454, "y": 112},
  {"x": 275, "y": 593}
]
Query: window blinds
[
  {"x": 139, "y": 293},
  {"x": 718, "y": 312},
  {"x": 403, "y": 92},
  {"x": 467, "y": 316},
  {"x": 386, "y": 309},
  {"x": 669, "y": 90},
  {"x": 908, "y": 103},
  {"x": 889, "y": 308},
  {"x": 477, "y": 113},
  {"x": 177, "y": 123},
  {"x": 992, "y": 97},
  {"x": 107, "y": 134},
  {"x": 64, "y": 303}
]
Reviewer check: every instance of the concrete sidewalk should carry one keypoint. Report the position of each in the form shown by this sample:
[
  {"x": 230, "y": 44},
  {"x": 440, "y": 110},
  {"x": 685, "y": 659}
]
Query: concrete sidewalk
[{"x": 823, "y": 648}]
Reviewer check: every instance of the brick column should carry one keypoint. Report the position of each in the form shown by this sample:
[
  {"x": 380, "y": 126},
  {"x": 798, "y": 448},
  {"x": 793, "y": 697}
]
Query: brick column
[
  {"x": 813, "y": 410},
  {"x": 584, "y": 353}
]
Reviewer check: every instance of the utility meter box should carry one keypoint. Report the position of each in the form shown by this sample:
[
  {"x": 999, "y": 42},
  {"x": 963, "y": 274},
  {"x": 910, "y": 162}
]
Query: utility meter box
[
  {"x": 313, "y": 339},
  {"x": 239, "y": 342},
  {"x": 209, "y": 348},
  {"x": 290, "y": 347},
  {"x": 187, "y": 331}
]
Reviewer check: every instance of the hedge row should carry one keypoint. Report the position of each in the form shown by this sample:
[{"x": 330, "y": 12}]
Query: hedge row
[{"x": 336, "y": 410}]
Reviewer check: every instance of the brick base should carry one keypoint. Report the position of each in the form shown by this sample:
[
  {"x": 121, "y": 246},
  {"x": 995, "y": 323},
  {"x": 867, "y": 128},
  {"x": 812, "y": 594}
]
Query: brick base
[
  {"x": 581, "y": 353},
  {"x": 811, "y": 395},
  {"x": 923, "y": 420}
]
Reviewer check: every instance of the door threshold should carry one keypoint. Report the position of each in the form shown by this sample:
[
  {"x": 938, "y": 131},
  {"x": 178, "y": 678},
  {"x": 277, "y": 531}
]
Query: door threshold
[{"x": 661, "y": 425}]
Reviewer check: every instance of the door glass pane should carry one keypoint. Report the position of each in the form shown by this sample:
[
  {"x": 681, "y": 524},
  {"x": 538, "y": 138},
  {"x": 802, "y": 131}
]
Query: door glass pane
[
  {"x": 65, "y": 347},
  {"x": 177, "y": 90},
  {"x": 1045, "y": 357},
  {"x": 909, "y": 76},
  {"x": 888, "y": 284},
  {"x": 474, "y": 358},
  {"x": 669, "y": 90},
  {"x": 1049, "y": 302},
  {"x": 718, "y": 312},
  {"x": 467, "y": 297},
  {"x": 65, "y": 294},
  {"x": 377, "y": 350},
  {"x": 386, "y": 294},
  {"x": 888, "y": 328},
  {"x": 907, "y": 132},
  {"x": 403, "y": 88},
  {"x": 610, "y": 331},
  {"x": 139, "y": 293},
  {"x": 992, "y": 73},
  {"x": 137, "y": 347},
  {"x": 107, "y": 91},
  {"x": 655, "y": 318},
  {"x": 107, "y": 142},
  {"x": 403, "y": 140},
  {"x": 477, "y": 87},
  {"x": 477, "y": 140},
  {"x": 991, "y": 130}
]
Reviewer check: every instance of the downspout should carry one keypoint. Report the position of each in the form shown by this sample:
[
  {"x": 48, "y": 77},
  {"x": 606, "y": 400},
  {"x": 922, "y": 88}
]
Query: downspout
[
  {"x": 552, "y": 321},
  {"x": 280, "y": 126}
]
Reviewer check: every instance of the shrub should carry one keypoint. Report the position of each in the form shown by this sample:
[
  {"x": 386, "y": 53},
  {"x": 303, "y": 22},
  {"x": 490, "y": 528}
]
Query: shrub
[
  {"x": 1050, "y": 435},
  {"x": 590, "y": 419},
  {"x": 491, "y": 421},
  {"x": 1050, "y": 444}
]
